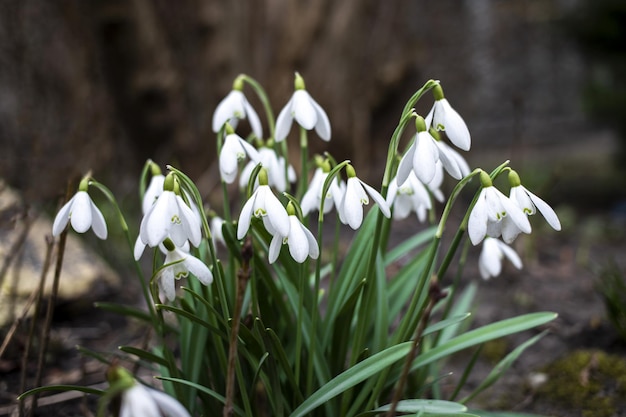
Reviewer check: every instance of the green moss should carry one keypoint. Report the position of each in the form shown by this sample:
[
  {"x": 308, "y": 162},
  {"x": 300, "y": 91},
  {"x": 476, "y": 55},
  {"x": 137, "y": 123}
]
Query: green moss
[{"x": 590, "y": 382}]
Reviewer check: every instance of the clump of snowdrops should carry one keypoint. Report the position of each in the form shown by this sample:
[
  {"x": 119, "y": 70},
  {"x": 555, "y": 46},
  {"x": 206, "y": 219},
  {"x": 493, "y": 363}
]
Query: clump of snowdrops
[{"x": 252, "y": 316}]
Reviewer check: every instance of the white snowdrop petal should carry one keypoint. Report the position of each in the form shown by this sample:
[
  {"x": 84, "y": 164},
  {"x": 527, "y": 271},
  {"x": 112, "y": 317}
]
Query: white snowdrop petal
[
  {"x": 155, "y": 188},
  {"x": 547, "y": 211},
  {"x": 62, "y": 218},
  {"x": 80, "y": 214},
  {"x": 455, "y": 127},
  {"x": 275, "y": 247},
  {"x": 303, "y": 110},
  {"x": 138, "y": 249},
  {"x": 511, "y": 255},
  {"x": 406, "y": 164},
  {"x": 314, "y": 250},
  {"x": 168, "y": 283},
  {"x": 245, "y": 217},
  {"x": 449, "y": 162},
  {"x": 230, "y": 106},
  {"x": 322, "y": 127},
  {"x": 426, "y": 154},
  {"x": 159, "y": 219},
  {"x": 168, "y": 405},
  {"x": 378, "y": 198},
  {"x": 276, "y": 214},
  {"x": 477, "y": 222},
  {"x": 352, "y": 206},
  {"x": 516, "y": 214},
  {"x": 98, "y": 224},
  {"x": 253, "y": 118},
  {"x": 198, "y": 268},
  {"x": 297, "y": 240},
  {"x": 283, "y": 122}
]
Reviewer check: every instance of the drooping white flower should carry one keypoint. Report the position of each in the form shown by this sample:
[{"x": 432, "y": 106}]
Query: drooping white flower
[
  {"x": 350, "y": 209},
  {"x": 263, "y": 204},
  {"x": 234, "y": 150},
  {"x": 275, "y": 166},
  {"x": 443, "y": 117},
  {"x": 300, "y": 240},
  {"x": 178, "y": 264},
  {"x": 493, "y": 253},
  {"x": 495, "y": 215},
  {"x": 235, "y": 106},
  {"x": 170, "y": 217},
  {"x": 312, "y": 198},
  {"x": 424, "y": 153},
  {"x": 410, "y": 196},
  {"x": 530, "y": 203},
  {"x": 308, "y": 114},
  {"x": 216, "y": 230},
  {"x": 141, "y": 401},
  {"x": 81, "y": 213}
]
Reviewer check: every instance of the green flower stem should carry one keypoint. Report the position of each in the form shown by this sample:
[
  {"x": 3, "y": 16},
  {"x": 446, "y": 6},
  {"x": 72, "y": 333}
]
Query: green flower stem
[
  {"x": 144, "y": 287},
  {"x": 407, "y": 114},
  {"x": 304, "y": 163},
  {"x": 298, "y": 352},
  {"x": 260, "y": 92}
]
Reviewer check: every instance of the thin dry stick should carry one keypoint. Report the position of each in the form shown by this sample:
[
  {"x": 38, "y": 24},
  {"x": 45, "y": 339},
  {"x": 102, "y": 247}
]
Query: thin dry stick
[
  {"x": 52, "y": 299},
  {"x": 243, "y": 275},
  {"x": 434, "y": 295}
]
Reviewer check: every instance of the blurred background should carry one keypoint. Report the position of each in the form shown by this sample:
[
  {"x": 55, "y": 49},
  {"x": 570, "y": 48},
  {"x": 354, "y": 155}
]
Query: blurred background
[{"x": 106, "y": 84}]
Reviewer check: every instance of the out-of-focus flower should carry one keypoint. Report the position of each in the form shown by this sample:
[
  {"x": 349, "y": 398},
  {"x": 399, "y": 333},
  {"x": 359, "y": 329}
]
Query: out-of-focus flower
[
  {"x": 312, "y": 198},
  {"x": 235, "y": 106},
  {"x": 493, "y": 253},
  {"x": 443, "y": 117},
  {"x": 275, "y": 166},
  {"x": 495, "y": 215},
  {"x": 308, "y": 114},
  {"x": 350, "y": 209},
  {"x": 234, "y": 150},
  {"x": 137, "y": 400},
  {"x": 81, "y": 213},
  {"x": 410, "y": 196},
  {"x": 263, "y": 204}
]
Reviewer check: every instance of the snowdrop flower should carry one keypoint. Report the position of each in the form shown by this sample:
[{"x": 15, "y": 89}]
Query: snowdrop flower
[
  {"x": 491, "y": 256},
  {"x": 308, "y": 114},
  {"x": 137, "y": 400},
  {"x": 530, "y": 203},
  {"x": 443, "y": 117},
  {"x": 154, "y": 190},
  {"x": 235, "y": 106},
  {"x": 234, "y": 150},
  {"x": 312, "y": 198},
  {"x": 423, "y": 154},
  {"x": 494, "y": 214},
  {"x": 263, "y": 204},
  {"x": 216, "y": 230},
  {"x": 81, "y": 213},
  {"x": 410, "y": 196},
  {"x": 178, "y": 264},
  {"x": 275, "y": 166},
  {"x": 350, "y": 208},
  {"x": 300, "y": 240},
  {"x": 170, "y": 217}
]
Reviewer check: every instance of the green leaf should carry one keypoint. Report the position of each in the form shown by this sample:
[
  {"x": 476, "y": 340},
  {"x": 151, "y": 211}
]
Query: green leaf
[
  {"x": 38, "y": 390},
  {"x": 445, "y": 323},
  {"x": 352, "y": 376},
  {"x": 403, "y": 248},
  {"x": 483, "y": 334},
  {"x": 438, "y": 407},
  {"x": 145, "y": 355},
  {"x": 503, "y": 366},
  {"x": 205, "y": 390}
]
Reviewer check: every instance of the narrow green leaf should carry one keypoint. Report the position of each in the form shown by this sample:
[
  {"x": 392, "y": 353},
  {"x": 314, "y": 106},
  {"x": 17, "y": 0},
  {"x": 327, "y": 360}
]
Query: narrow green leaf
[
  {"x": 352, "y": 376},
  {"x": 145, "y": 355},
  {"x": 205, "y": 390},
  {"x": 445, "y": 323},
  {"x": 422, "y": 406},
  {"x": 403, "y": 248},
  {"x": 503, "y": 366},
  {"x": 38, "y": 390},
  {"x": 483, "y": 334}
]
